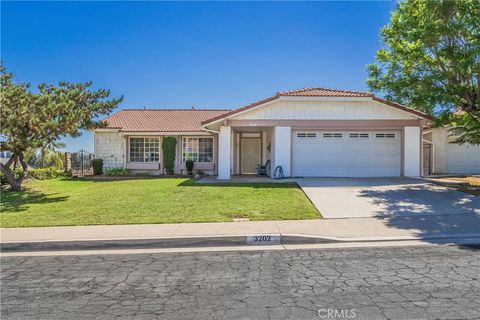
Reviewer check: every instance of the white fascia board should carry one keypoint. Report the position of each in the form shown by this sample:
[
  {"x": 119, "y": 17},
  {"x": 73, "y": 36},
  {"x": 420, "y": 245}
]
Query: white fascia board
[{"x": 106, "y": 130}]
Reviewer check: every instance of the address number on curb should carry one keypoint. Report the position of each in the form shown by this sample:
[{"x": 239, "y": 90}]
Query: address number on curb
[{"x": 263, "y": 239}]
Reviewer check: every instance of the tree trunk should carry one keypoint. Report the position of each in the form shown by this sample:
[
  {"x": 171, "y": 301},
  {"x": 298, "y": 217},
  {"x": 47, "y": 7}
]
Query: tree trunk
[
  {"x": 15, "y": 184},
  {"x": 8, "y": 173}
]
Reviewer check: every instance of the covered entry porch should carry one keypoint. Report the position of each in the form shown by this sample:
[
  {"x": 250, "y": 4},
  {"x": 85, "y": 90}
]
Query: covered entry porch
[
  {"x": 243, "y": 148},
  {"x": 251, "y": 148}
]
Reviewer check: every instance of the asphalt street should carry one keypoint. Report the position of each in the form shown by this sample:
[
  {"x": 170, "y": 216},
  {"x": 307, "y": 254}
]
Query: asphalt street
[{"x": 431, "y": 282}]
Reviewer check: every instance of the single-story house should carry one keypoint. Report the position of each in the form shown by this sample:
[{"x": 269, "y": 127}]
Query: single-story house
[{"x": 311, "y": 132}]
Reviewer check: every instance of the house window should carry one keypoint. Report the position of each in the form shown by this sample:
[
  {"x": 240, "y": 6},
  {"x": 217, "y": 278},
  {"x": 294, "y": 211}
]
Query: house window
[
  {"x": 144, "y": 149},
  {"x": 197, "y": 149}
]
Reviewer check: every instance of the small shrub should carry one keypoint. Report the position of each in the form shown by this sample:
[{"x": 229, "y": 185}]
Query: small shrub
[
  {"x": 189, "y": 166},
  {"x": 63, "y": 173},
  {"x": 97, "y": 165},
  {"x": 44, "y": 173},
  {"x": 116, "y": 172}
]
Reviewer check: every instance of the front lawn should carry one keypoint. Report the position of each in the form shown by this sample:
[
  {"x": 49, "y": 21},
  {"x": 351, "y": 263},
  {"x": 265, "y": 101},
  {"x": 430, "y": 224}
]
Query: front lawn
[
  {"x": 62, "y": 202},
  {"x": 470, "y": 184}
]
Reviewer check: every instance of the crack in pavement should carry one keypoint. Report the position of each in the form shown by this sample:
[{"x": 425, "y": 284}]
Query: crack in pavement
[{"x": 434, "y": 282}]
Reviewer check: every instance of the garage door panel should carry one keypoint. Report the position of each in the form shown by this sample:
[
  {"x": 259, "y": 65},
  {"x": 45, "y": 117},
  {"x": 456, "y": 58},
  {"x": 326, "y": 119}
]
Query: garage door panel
[{"x": 353, "y": 155}]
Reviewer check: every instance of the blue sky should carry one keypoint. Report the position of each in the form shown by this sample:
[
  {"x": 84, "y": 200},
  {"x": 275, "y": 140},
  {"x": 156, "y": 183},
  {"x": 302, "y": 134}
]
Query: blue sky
[{"x": 184, "y": 54}]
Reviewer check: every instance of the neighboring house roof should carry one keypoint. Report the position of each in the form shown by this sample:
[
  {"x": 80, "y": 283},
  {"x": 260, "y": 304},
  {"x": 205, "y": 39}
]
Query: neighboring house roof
[
  {"x": 160, "y": 120},
  {"x": 317, "y": 92}
]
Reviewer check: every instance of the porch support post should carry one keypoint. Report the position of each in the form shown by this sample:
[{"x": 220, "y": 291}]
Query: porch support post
[
  {"x": 282, "y": 139},
  {"x": 125, "y": 151},
  {"x": 224, "y": 152},
  {"x": 412, "y": 151}
]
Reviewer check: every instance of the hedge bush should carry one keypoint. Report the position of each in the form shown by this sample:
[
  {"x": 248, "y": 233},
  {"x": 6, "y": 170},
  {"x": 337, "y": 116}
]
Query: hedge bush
[
  {"x": 168, "y": 146},
  {"x": 44, "y": 173},
  {"x": 32, "y": 173},
  {"x": 97, "y": 165}
]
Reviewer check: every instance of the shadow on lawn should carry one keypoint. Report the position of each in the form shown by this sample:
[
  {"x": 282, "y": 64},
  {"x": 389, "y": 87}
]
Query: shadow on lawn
[
  {"x": 16, "y": 201},
  {"x": 427, "y": 209},
  {"x": 256, "y": 185}
]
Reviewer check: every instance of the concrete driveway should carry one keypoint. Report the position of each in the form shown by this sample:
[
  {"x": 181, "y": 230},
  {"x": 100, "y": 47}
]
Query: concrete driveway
[{"x": 385, "y": 197}]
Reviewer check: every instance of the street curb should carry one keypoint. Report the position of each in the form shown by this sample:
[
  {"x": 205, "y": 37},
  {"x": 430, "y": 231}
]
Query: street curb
[
  {"x": 207, "y": 241},
  {"x": 122, "y": 244}
]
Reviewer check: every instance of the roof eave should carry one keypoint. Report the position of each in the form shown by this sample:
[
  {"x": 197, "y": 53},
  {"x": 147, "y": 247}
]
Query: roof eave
[
  {"x": 239, "y": 110},
  {"x": 404, "y": 108}
]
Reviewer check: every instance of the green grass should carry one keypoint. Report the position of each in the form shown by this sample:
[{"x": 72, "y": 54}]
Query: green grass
[{"x": 62, "y": 202}]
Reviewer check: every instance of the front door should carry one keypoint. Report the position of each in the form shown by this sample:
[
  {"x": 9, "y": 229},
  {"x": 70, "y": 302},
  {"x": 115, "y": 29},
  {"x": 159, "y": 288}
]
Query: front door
[{"x": 250, "y": 155}]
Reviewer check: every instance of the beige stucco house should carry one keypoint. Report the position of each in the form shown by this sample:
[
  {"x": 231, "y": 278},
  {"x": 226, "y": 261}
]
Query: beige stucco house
[{"x": 312, "y": 132}]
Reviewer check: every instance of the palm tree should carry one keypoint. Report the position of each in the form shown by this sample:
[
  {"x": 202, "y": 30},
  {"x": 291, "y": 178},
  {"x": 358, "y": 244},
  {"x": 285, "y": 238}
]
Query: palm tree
[
  {"x": 52, "y": 157},
  {"x": 46, "y": 156}
]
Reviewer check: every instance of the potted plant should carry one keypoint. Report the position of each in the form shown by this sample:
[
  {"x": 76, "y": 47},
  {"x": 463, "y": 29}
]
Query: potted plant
[{"x": 189, "y": 166}]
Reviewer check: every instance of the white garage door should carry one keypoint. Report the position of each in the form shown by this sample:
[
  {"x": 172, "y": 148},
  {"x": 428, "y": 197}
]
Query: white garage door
[
  {"x": 346, "y": 154},
  {"x": 462, "y": 158}
]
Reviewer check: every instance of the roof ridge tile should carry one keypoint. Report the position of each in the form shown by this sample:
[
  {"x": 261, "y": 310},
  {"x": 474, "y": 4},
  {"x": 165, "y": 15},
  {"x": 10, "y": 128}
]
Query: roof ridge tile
[
  {"x": 173, "y": 109},
  {"x": 288, "y": 92}
]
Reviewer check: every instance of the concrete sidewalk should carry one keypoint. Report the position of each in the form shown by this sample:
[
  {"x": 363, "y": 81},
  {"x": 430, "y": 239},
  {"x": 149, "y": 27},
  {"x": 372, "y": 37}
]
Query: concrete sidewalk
[{"x": 408, "y": 227}]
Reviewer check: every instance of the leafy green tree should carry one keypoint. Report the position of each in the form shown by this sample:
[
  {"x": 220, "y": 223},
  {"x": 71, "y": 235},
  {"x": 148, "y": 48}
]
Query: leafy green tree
[
  {"x": 431, "y": 62},
  {"x": 37, "y": 120}
]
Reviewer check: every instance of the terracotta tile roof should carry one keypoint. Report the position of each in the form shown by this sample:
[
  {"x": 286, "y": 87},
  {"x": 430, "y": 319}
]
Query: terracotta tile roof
[
  {"x": 317, "y": 92},
  {"x": 161, "y": 120}
]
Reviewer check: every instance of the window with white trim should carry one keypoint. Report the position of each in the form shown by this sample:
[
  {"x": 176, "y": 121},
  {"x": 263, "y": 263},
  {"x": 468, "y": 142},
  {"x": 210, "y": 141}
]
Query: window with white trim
[
  {"x": 359, "y": 135},
  {"x": 198, "y": 149},
  {"x": 332, "y": 135},
  {"x": 144, "y": 149},
  {"x": 306, "y": 135}
]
